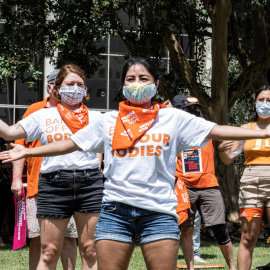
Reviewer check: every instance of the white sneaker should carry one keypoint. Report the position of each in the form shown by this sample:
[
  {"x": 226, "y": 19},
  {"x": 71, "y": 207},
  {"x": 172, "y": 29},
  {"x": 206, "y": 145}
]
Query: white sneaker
[{"x": 199, "y": 259}]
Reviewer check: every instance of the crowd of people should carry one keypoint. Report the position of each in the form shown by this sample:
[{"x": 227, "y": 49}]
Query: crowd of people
[{"x": 151, "y": 191}]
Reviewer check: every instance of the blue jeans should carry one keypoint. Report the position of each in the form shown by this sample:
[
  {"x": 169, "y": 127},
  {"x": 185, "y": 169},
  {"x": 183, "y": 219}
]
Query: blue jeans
[
  {"x": 126, "y": 223},
  {"x": 197, "y": 234}
]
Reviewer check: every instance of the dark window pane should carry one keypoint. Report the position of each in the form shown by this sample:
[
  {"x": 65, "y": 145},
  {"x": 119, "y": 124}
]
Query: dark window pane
[
  {"x": 187, "y": 46},
  {"x": 118, "y": 46},
  {"x": 97, "y": 88},
  {"x": 103, "y": 43},
  {"x": 6, "y": 115},
  {"x": 28, "y": 96},
  {"x": 19, "y": 114},
  {"x": 116, "y": 65},
  {"x": 128, "y": 23},
  {"x": 7, "y": 91}
]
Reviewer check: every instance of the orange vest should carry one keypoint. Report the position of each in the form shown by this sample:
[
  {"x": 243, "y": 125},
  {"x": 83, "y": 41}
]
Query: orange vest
[
  {"x": 257, "y": 151},
  {"x": 33, "y": 163},
  {"x": 204, "y": 179}
]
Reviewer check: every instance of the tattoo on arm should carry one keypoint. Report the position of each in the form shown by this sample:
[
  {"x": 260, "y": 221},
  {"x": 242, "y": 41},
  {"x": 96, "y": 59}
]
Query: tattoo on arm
[{"x": 17, "y": 126}]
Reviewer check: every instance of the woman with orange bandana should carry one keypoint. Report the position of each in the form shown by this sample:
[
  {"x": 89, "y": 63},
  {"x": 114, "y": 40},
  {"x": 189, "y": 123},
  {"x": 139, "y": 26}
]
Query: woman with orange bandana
[
  {"x": 140, "y": 143},
  {"x": 69, "y": 184},
  {"x": 254, "y": 196}
]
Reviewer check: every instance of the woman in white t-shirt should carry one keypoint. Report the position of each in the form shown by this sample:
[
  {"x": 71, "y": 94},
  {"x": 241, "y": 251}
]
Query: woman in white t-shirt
[
  {"x": 69, "y": 184},
  {"x": 140, "y": 143}
]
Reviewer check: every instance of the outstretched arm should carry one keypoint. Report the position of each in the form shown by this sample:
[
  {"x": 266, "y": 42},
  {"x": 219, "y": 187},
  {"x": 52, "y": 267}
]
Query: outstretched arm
[
  {"x": 237, "y": 133},
  {"x": 11, "y": 133},
  {"x": 48, "y": 150}
]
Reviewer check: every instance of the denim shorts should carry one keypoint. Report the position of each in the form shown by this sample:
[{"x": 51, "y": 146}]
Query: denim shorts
[
  {"x": 125, "y": 223},
  {"x": 63, "y": 192}
]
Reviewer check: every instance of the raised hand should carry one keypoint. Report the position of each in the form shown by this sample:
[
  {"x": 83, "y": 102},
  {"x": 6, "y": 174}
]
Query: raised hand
[
  {"x": 16, "y": 153},
  {"x": 225, "y": 145},
  {"x": 168, "y": 104}
]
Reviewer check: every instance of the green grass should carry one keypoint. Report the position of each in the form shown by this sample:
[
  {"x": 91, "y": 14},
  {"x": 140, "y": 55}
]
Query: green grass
[{"x": 18, "y": 260}]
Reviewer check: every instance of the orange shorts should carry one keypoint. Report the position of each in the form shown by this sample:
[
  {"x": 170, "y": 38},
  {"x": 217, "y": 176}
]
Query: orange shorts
[{"x": 250, "y": 213}]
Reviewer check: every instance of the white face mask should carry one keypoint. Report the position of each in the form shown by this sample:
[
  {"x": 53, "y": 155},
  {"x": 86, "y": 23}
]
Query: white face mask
[
  {"x": 263, "y": 109},
  {"x": 72, "y": 95},
  {"x": 138, "y": 93}
]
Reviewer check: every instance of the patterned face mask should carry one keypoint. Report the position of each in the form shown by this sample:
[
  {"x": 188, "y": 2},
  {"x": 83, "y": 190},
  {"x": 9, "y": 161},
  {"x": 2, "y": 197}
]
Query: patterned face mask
[
  {"x": 72, "y": 95},
  {"x": 263, "y": 109},
  {"x": 137, "y": 93}
]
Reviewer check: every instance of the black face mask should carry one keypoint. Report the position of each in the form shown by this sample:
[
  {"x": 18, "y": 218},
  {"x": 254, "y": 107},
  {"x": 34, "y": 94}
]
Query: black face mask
[{"x": 196, "y": 113}]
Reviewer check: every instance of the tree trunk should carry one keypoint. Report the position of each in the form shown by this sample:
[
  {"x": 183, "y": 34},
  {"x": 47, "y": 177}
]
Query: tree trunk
[
  {"x": 219, "y": 12},
  {"x": 260, "y": 45}
]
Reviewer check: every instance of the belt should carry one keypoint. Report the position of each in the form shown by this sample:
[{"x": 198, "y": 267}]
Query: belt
[{"x": 71, "y": 172}]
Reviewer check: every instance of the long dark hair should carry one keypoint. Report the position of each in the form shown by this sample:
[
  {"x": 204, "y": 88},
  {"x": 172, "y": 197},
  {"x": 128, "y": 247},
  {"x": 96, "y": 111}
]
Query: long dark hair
[{"x": 254, "y": 116}]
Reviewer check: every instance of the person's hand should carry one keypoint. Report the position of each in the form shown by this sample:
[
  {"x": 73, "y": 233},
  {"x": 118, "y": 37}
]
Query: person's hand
[
  {"x": 16, "y": 189},
  {"x": 168, "y": 104},
  {"x": 225, "y": 145},
  {"x": 16, "y": 153}
]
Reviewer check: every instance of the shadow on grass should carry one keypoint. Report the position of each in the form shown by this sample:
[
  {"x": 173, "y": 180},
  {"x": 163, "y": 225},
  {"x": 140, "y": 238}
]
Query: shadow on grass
[{"x": 203, "y": 255}]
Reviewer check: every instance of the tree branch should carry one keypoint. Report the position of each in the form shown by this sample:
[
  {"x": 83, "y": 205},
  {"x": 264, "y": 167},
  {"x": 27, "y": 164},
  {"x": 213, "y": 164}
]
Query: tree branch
[
  {"x": 235, "y": 44},
  {"x": 247, "y": 78}
]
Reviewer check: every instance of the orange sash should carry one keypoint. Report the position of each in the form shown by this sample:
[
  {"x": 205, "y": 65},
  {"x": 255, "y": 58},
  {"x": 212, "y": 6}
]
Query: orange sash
[
  {"x": 75, "y": 120},
  {"x": 183, "y": 205},
  {"x": 132, "y": 123},
  {"x": 250, "y": 213}
]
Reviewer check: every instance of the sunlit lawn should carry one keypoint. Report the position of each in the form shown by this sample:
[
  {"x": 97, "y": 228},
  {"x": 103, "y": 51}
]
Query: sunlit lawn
[{"x": 11, "y": 260}]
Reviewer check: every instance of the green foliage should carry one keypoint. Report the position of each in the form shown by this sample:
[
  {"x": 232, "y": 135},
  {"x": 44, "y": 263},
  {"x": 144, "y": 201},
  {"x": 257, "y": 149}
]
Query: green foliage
[
  {"x": 75, "y": 31},
  {"x": 35, "y": 29}
]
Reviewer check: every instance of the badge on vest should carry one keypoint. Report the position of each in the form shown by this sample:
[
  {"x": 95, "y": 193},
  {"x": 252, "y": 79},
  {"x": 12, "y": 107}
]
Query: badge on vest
[{"x": 192, "y": 161}]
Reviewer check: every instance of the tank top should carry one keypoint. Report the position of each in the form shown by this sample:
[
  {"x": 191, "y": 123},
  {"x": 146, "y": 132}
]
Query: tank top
[{"x": 257, "y": 151}]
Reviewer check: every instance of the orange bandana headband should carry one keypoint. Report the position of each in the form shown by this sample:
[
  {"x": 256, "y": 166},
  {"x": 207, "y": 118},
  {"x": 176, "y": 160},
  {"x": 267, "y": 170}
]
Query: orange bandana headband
[
  {"x": 132, "y": 123},
  {"x": 75, "y": 120}
]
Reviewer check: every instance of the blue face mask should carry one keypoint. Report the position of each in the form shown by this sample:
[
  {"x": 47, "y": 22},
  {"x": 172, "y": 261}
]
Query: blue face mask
[
  {"x": 263, "y": 109},
  {"x": 137, "y": 93}
]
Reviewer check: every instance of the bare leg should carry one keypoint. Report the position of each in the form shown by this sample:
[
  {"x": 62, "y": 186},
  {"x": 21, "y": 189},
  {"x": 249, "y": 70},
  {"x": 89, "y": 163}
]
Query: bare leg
[
  {"x": 69, "y": 253},
  {"x": 52, "y": 233},
  {"x": 113, "y": 255},
  {"x": 86, "y": 224},
  {"x": 228, "y": 254},
  {"x": 187, "y": 246},
  {"x": 34, "y": 253},
  {"x": 161, "y": 254},
  {"x": 249, "y": 236}
]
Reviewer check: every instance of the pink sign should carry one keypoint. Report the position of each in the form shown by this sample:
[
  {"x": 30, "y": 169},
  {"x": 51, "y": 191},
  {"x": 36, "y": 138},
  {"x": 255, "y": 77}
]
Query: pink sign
[{"x": 19, "y": 239}]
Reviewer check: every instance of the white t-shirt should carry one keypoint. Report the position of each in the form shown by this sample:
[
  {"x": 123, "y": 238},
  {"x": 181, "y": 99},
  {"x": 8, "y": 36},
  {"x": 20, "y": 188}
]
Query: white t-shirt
[
  {"x": 144, "y": 177},
  {"x": 48, "y": 126}
]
